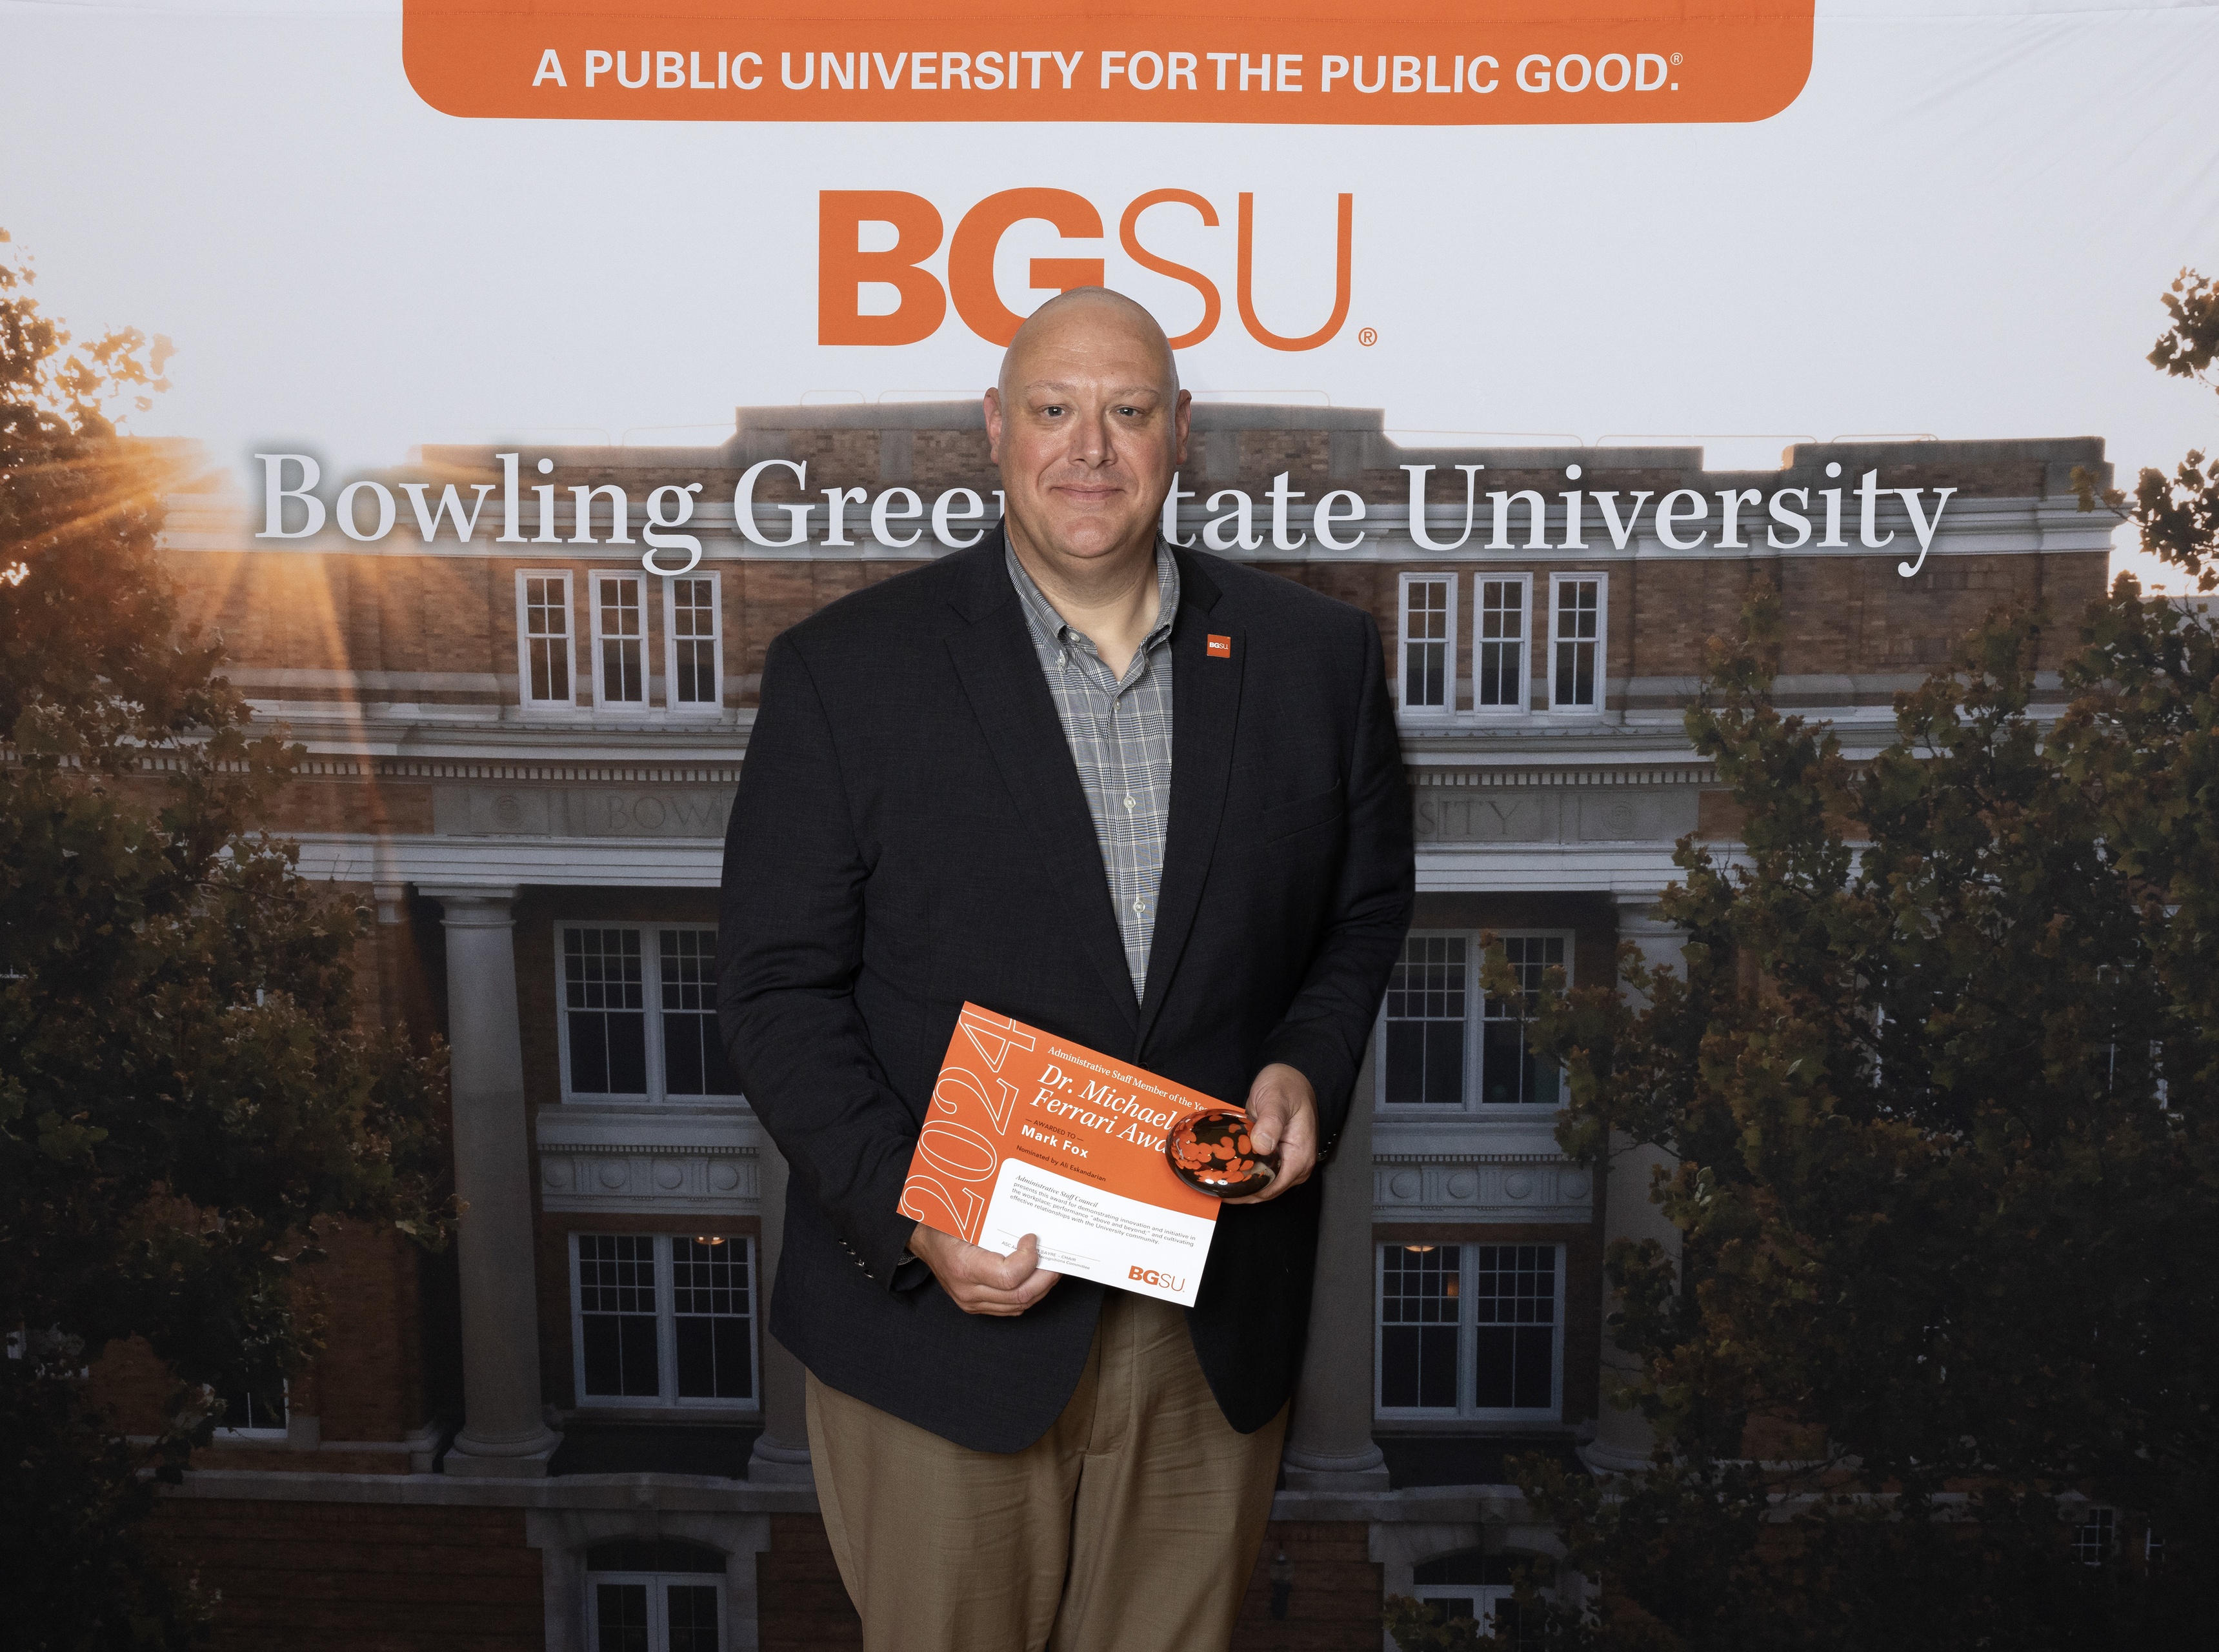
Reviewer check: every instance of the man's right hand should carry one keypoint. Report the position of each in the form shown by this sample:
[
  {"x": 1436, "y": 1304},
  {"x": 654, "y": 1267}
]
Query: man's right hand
[{"x": 978, "y": 1282}]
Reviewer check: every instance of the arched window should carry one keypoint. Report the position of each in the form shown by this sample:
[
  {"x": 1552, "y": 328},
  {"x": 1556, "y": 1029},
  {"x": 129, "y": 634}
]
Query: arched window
[
  {"x": 1468, "y": 1584},
  {"x": 655, "y": 1594}
]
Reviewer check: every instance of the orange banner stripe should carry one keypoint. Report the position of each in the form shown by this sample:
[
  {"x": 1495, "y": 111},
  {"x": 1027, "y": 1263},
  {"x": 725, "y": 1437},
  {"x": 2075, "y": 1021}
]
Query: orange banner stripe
[{"x": 1398, "y": 64}]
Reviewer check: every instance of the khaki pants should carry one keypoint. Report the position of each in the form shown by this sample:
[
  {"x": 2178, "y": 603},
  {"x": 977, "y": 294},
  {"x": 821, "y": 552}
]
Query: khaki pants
[{"x": 1133, "y": 1523}]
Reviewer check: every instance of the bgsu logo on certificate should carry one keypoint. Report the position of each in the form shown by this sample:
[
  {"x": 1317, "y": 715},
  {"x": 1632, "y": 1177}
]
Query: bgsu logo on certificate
[{"x": 1032, "y": 1133}]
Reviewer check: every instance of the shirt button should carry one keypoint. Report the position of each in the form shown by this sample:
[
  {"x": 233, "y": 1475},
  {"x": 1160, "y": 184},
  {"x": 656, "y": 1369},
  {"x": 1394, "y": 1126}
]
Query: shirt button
[{"x": 1128, "y": 801}]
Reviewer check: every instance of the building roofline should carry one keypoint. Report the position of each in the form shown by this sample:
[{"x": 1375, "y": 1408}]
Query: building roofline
[{"x": 1360, "y": 438}]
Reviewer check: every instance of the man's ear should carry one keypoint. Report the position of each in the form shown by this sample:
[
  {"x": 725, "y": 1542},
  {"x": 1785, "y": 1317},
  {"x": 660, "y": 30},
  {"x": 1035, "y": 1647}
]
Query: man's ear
[
  {"x": 994, "y": 422},
  {"x": 1180, "y": 412}
]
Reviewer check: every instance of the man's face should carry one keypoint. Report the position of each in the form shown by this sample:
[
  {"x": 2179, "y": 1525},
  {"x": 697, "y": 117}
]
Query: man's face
[{"x": 1088, "y": 434}]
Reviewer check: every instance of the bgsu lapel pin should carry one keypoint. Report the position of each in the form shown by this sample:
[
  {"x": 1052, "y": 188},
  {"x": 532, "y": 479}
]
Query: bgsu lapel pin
[{"x": 1220, "y": 648}]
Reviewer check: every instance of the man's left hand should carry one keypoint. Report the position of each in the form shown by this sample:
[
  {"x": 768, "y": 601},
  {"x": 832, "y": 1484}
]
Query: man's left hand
[{"x": 1283, "y": 1113}]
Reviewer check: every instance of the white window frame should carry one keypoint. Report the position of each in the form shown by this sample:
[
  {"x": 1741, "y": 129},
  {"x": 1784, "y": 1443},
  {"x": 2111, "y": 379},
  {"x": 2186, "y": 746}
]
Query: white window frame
[
  {"x": 657, "y": 1093},
  {"x": 666, "y": 1331},
  {"x": 1601, "y": 640},
  {"x": 714, "y": 705},
  {"x": 2096, "y": 1536},
  {"x": 602, "y": 700},
  {"x": 1480, "y": 581},
  {"x": 1405, "y": 641},
  {"x": 1475, "y": 1035},
  {"x": 1485, "y": 1597},
  {"x": 658, "y": 1603},
  {"x": 1466, "y": 1408},
  {"x": 568, "y": 702}
]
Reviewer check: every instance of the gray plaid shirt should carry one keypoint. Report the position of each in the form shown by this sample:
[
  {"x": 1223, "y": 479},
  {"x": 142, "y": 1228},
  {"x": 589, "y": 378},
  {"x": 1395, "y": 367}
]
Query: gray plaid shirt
[{"x": 1120, "y": 729}]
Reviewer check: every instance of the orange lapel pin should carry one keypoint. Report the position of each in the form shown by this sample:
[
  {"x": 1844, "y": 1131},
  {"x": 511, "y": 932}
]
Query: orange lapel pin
[{"x": 1220, "y": 648}]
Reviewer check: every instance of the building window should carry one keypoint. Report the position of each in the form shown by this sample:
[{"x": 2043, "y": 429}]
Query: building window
[
  {"x": 1484, "y": 1589},
  {"x": 1576, "y": 632},
  {"x": 712, "y": 1322},
  {"x": 1443, "y": 1042},
  {"x": 611, "y": 1046},
  {"x": 1420, "y": 1293},
  {"x": 1428, "y": 1004},
  {"x": 605, "y": 1012},
  {"x": 654, "y": 1595},
  {"x": 1498, "y": 644},
  {"x": 2096, "y": 1539},
  {"x": 693, "y": 1050},
  {"x": 619, "y": 1317},
  {"x": 260, "y": 1411},
  {"x": 1429, "y": 642},
  {"x": 1470, "y": 1331},
  {"x": 543, "y": 638},
  {"x": 1511, "y": 1074},
  {"x": 662, "y": 1320},
  {"x": 693, "y": 628},
  {"x": 619, "y": 641},
  {"x": 1513, "y": 1310}
]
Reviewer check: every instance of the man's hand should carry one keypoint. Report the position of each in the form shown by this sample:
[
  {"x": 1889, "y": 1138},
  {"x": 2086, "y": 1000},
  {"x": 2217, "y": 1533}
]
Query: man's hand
[
  {"x": 978, "y": 1282},
  {"x": 1283, "y": 1113}
]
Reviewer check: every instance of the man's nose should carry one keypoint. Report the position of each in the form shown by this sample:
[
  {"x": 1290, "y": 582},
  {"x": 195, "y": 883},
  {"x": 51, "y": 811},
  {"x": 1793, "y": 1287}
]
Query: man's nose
[{"x": 1091, "y": 445}]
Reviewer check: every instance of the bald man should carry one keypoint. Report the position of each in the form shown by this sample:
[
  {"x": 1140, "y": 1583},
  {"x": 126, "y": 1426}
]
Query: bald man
[{"x": 1151, "y": 801}]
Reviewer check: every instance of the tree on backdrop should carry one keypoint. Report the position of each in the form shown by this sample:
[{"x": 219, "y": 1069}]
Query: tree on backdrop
[
  {"x": 184, "y": 1097},
  {"x": 1937, "y": 1362},
  {"x": 2177, "y": 515}
]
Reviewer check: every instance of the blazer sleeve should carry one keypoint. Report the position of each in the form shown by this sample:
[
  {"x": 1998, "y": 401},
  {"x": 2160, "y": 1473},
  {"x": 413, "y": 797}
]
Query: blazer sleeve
[
  {"x": 790, "y": 936},
  {"x": 1324, "y": 1031}
]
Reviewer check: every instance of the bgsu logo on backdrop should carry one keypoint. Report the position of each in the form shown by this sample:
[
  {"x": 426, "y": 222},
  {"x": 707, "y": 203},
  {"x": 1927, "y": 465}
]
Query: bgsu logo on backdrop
[{"x": 844, "y": 270}]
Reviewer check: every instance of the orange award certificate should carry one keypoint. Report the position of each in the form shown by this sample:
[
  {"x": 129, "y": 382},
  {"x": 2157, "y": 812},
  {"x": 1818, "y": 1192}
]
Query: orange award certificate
[{"x": 1032, "y": 1133}]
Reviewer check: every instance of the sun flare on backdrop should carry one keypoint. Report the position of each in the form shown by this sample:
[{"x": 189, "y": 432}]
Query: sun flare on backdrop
[{"x": 2157, "y": 579}]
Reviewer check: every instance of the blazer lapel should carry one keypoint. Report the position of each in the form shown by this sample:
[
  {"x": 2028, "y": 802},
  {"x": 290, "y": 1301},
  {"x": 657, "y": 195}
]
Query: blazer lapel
[
  {"x": 1001, "y": 676},
  {"x": 1205, "y": 711}
]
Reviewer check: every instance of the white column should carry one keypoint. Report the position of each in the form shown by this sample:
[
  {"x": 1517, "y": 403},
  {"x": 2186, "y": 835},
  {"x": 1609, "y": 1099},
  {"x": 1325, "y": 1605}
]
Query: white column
[
  {"x": 781, "y": 1451},
  {"x": 1329, "y": 1445},
  {"x": 1622, "y": 1439},
  {"x": 503, "y": 1430}
]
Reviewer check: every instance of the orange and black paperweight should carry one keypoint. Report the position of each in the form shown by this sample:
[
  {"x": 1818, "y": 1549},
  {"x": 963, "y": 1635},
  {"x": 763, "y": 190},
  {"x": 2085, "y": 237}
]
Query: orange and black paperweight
[{"x": 1210, "y": 1151}]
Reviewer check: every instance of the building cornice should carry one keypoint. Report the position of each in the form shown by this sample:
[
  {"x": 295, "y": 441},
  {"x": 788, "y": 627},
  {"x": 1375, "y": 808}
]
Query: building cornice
[
  {"x": 641, "y": 862},
  {"x": 649, "y": 1159},
  {"x": 1479, "y": 1186},
  {"x": 638, "y": 1494}
]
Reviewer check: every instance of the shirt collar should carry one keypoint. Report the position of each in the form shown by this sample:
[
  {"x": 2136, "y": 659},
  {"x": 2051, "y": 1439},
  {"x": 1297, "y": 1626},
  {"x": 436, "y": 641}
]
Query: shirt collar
[{"x": 1048, "y": 626}]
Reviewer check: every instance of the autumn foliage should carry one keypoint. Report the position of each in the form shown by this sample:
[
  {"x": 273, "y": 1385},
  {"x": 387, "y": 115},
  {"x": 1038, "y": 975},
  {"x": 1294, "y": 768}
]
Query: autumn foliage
[
  {"x": 1937, "y": 1362},
  {"x": 185, "y": 1096}
]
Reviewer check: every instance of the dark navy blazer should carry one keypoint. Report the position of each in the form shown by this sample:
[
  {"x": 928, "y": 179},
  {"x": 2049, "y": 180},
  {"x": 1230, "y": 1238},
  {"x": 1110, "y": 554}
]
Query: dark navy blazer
[{"x": 910, "y": 832}]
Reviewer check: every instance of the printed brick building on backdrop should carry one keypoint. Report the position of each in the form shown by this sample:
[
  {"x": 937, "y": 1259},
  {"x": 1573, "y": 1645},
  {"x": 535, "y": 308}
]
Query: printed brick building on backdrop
[{"x": 570, "y": 1432}]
